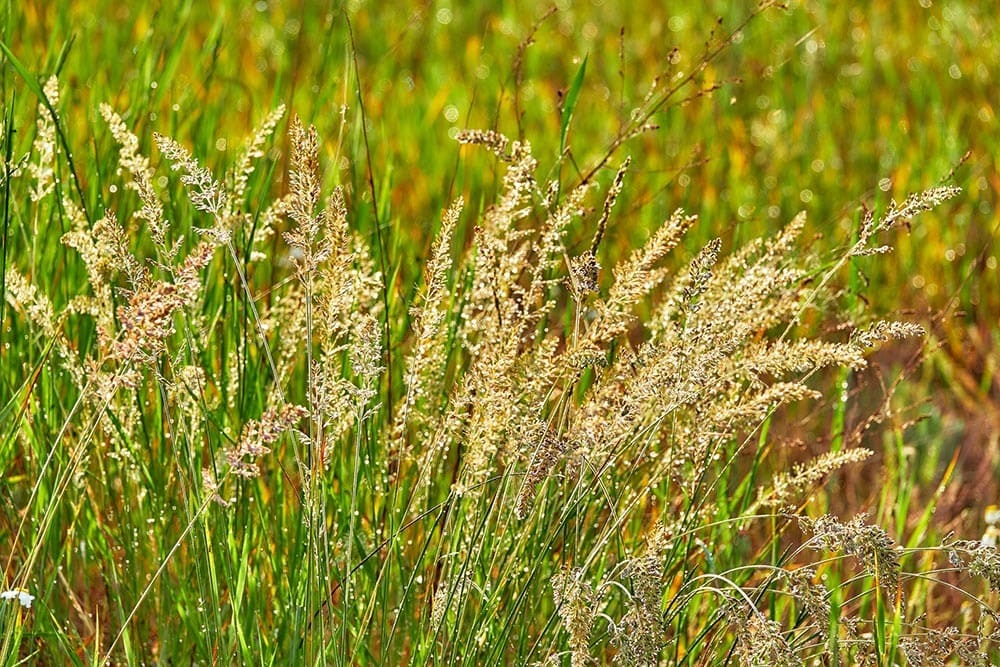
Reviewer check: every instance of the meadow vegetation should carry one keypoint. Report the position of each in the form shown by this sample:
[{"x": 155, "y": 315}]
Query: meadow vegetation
[{"x": 454, "y": 334}]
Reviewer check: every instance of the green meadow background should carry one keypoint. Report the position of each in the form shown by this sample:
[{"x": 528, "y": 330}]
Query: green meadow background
[{"x": 822, "y": 107}]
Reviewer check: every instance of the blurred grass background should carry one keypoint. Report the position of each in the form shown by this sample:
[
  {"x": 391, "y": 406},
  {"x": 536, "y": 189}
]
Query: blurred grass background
[{"x": 824, "y": 107}]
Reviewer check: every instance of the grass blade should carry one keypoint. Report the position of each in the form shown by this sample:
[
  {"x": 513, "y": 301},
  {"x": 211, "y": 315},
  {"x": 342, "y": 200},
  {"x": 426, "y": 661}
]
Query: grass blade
[{"x": 569, "y": 104}]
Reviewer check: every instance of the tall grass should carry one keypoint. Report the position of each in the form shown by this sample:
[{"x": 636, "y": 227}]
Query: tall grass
[{"x": 247, "y": 420}]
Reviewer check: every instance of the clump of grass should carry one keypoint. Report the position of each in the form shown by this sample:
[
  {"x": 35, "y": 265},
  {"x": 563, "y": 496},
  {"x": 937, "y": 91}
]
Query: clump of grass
[{"x": 563, "y": 479}]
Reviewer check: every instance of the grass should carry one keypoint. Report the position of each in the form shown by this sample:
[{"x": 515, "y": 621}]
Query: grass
[{"x": 388, "y": 392}]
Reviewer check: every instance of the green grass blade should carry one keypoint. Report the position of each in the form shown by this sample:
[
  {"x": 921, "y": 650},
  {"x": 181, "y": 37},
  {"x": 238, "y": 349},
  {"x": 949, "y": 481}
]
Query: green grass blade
[{"x": 569, "y": 104}]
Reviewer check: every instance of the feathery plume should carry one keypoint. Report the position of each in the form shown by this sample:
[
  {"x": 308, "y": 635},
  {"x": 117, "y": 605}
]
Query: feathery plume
[
  {"x": 42, "y": 169},
  {"x": 576, "y": 605}
]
